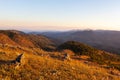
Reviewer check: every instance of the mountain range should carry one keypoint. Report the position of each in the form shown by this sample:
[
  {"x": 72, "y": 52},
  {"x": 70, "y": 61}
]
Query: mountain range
[
  {"x": 101, "y": 39},
  {"x": 57, "y": 56}
]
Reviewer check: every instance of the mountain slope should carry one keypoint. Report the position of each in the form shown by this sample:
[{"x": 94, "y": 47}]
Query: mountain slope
[
  {"x": 5, "y": 39},
  {"x": 95, "y": 55},
  {"x": 13, "y": 37},
  {"x": 35, "y": 67},
  {"x": 41, "y": 42}
]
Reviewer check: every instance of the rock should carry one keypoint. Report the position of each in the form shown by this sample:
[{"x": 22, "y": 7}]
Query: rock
[
  {"x": 67, "y": 57},
  {"x": 20, "y": 59}
]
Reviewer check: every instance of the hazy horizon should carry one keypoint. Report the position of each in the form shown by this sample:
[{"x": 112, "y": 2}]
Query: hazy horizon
[{"x": 60, "y": 15}]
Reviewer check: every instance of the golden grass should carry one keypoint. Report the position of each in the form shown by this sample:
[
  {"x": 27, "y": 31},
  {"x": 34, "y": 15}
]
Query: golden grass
[{"x": 39, "y": 67}]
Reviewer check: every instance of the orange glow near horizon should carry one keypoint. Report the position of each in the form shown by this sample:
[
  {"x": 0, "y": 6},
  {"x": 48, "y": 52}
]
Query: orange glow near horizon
[{"x": 30, "y": 25}]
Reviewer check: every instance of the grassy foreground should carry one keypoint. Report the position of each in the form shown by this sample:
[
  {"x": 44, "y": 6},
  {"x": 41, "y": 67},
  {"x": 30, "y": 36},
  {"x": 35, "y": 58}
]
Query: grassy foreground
[{"x": 42, "y": 66}]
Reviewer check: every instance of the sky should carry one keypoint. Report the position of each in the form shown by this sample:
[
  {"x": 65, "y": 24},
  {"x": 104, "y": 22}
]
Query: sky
[{"x": 60, "y": 14}]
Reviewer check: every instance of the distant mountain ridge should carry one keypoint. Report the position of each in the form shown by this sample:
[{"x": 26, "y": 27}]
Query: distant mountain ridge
[{"x": 101, "y": 39}]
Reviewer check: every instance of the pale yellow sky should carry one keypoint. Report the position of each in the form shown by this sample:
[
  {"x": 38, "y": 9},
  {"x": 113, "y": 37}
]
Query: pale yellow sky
[{"x": 28, "y": 25}]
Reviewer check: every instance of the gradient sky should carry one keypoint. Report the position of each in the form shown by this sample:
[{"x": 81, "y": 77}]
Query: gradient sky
[{"x": 59, "y": 14}]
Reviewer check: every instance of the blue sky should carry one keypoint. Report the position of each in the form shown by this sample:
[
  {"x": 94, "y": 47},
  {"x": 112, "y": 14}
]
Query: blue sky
[{"x": 59, "y": 14}]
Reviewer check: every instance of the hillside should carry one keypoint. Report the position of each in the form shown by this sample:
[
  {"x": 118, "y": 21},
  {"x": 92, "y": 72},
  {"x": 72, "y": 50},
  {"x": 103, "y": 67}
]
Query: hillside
[
  {"x": 5, "y": 39},
  {"x": 95, "y": 55},
  {"x": 35, "y": 57},
  {"x": 41, "y": 42},
  {"x": 19, "y": 38},
  {"x": 49, "y": 66}
]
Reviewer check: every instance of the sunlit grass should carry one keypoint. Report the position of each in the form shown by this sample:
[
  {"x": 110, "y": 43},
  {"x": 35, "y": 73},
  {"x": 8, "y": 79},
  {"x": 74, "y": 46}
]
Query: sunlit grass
[{"x": 43, "y": 67}]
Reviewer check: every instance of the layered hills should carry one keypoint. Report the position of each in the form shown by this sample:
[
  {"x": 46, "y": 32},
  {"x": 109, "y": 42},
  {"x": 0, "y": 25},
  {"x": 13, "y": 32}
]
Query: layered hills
[
  {"x": 101, "y": 39},
  {"x": 35, "y": 57}
]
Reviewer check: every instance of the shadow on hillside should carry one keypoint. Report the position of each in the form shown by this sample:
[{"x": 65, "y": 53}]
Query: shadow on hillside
[
  {"x": 57, "y": 57},
  {"x": 18, "y": 59},
  {"x": 6, "y": 62}
]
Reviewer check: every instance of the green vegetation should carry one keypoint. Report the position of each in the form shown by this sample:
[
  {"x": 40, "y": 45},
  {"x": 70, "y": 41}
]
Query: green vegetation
[
  {"x": 78, "y": 48},
  {"x": 96, "y": 55}
]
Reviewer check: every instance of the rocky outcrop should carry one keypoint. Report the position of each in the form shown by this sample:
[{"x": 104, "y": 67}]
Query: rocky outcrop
[{"x": 20, "y": 59}]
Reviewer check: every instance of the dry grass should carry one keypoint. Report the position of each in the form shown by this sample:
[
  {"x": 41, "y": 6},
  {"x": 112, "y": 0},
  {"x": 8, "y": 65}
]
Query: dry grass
[{"x": 44, "y": 67}]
